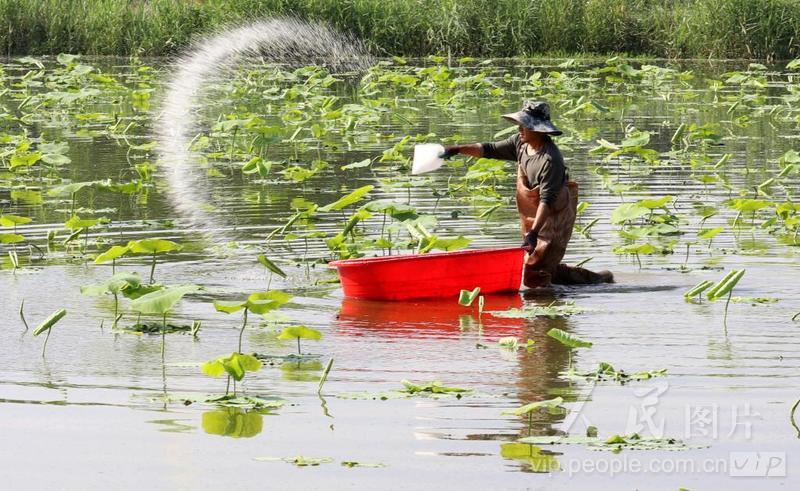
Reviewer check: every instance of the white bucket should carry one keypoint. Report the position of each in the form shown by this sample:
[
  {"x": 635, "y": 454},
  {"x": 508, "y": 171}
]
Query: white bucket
[{"x": 426, "y": 158}]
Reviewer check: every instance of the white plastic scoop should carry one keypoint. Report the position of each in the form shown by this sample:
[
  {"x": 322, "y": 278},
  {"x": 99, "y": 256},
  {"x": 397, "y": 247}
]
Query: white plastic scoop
[{"x": 426, "y": 158}]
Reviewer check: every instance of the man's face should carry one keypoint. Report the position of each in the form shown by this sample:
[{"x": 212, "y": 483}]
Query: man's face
[{"x": 527, "y": 136}]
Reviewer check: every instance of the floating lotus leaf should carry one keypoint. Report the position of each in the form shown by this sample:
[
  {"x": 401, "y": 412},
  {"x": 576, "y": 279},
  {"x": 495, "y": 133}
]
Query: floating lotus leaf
[{"x": 568, "y": 339}]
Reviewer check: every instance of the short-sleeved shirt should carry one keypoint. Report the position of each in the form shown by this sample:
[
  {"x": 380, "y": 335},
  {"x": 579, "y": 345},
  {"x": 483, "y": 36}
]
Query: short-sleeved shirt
[{"x": 544, "y": 168}]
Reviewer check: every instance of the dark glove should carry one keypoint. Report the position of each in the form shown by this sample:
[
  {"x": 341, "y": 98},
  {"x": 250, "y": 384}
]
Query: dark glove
[
  {"x": 449, "y": 151},
  {"x": 529, "y": 244}
]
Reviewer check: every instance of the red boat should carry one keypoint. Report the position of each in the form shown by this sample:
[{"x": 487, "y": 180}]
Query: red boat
[{"x": 434, "y": 275}]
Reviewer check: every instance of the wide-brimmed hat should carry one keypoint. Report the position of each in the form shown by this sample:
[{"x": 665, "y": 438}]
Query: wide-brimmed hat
[{"x": 535, "y": 116}]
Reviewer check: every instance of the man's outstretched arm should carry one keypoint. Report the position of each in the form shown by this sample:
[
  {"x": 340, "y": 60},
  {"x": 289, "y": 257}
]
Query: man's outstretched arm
[{"x": 472, "y": 149}]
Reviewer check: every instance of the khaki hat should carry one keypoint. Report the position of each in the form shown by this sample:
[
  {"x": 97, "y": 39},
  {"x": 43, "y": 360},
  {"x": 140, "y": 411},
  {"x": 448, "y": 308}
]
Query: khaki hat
[{"x": 535, "y": 116}]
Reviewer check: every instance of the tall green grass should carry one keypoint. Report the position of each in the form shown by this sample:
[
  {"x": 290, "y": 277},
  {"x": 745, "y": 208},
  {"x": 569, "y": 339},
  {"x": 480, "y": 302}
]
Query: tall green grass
[{"x": 762, "y": 29}]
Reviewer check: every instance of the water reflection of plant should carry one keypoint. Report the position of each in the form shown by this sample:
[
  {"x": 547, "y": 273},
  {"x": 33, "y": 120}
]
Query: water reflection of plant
[{"x": 233, "y": 422}]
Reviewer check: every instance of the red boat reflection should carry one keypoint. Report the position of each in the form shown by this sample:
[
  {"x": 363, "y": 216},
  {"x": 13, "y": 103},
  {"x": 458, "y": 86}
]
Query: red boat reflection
[{"x": 418, "y": 316}]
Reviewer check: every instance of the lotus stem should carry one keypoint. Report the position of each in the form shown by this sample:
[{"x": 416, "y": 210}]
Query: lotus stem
[
  {"x": 241, "y": 332},
  {"x": 163, "y": 336},
  {"x": 22, "y": 315},
  {"x": 324, "y": 376},
  {"x": 44, "y": 346},
  {"x": 725, "y": 316},
  {"x": 298, "y": 345},
  {"x": 153, "y": 268},
  {"x": 116, "y": 309},
  {"x": 233, "y": 144}
]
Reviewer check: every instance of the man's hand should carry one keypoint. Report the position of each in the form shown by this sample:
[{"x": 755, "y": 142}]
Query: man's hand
[
  {"x": 529, "y": 244},
  {"x": 450, "y": 151}
]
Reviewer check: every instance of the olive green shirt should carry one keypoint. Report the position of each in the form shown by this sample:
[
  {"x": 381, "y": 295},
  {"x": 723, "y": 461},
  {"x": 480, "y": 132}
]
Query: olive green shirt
[{"x": 544, "y": 168}]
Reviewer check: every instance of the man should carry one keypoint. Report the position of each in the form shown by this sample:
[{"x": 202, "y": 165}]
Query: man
[{"x": 546, "y": 199}]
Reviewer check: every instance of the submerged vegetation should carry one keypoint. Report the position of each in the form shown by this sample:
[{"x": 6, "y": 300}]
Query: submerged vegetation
[{"x": 690, "y": 28}]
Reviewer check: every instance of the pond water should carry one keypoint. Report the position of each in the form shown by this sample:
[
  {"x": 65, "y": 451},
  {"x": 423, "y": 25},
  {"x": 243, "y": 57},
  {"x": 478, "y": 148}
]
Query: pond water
[{"x": 104, "y": 409}]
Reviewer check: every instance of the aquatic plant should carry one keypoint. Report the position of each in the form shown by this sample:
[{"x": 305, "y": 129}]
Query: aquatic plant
[
  {"x": 614, "y": 443},
  {"x": 632, "y": 146},
  {"x": 161, "y": 302},
  {"x": 72, "y": 190},
  {"x": 725, "y": 287},
  {"x": 271, "y": 267},
  {"x": 258, "y": 303},
  {"x": 697, "y": 290},
  {"x": 11, "y": 238},
  {"x": 324, "y": 377},
  {"x": 551, "y": 310},
  {"x": 47, "y": 325},
  {"x": 22, "y": 314},
  {"x": 14, "y": 258},
  {"x": 298, "y": 460},
  {"x": 112, "y": 254},
  {"x": 512, "y": 343},
  {"x": 353, "y": 197},
  {"x": 433, "y": 387},
  {"x": 748, "y": 205},
  {"x": 638, "y": 249},
  {"x": 553, "y": 406},
  {"x": 82, "y": 225},
  {"x": 567, "y": 339},
  {"x": 353, "y": 463},
  {"x": 466, "y": 297},
  {"x": 299, "y": 332},
  {"x": 153, "y": 247},
  {"x": 605, "y": 372},
  {"x": 115, "y": 285},
  {"x": 236, "y": 365},
  {"x": 8, "y": 220}
]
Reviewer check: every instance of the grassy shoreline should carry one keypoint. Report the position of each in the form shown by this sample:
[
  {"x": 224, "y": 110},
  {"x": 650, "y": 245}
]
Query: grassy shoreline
[{"x": 751, "y": 29}]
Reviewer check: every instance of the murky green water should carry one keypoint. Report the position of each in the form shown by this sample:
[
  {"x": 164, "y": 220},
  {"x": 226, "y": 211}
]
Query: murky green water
[{"x": 96, "y": 403}]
